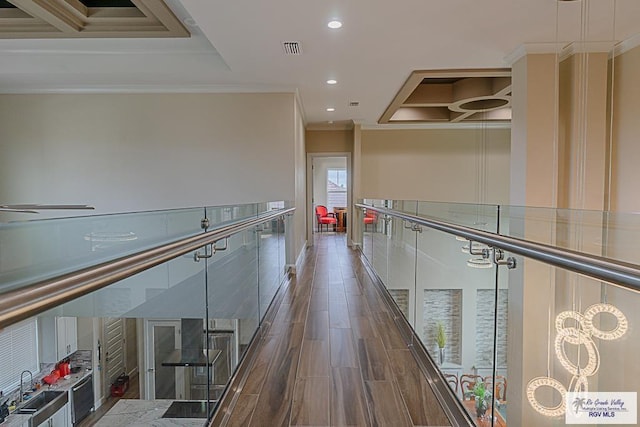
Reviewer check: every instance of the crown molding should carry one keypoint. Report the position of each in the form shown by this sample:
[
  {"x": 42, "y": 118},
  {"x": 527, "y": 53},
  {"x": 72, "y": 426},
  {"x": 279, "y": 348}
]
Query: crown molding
[
  {"x": 410, "y": 126},
  {"x": 531, "y": 49},
  {"x": 159, "y": 88},
  {"x": 626, "y": 45},
  {"x": 566, "y": 49},
  {"x": 586, "y": 47}
]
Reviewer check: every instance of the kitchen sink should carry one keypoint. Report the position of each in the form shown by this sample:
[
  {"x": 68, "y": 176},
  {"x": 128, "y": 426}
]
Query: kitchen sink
[{"x": 44, "y": 405}]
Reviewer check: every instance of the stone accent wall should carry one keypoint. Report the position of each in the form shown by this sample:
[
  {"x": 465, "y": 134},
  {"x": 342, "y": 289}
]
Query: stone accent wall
[
  {"x": 484, "y": 327},
  {"x": 443, "y": 305},
  {"x": 401, "y": 297}
]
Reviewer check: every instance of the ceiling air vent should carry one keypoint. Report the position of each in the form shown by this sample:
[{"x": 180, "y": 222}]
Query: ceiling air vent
[
  {"x": 354, "y": 103},
  {"x": 292, "y": 48}
]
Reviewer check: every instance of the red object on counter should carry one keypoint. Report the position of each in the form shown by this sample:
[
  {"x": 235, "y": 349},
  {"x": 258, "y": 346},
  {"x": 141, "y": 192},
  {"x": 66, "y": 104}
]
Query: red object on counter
[
  {"x": 64, "y": 368},
  {"x": 52, "y": 377}
]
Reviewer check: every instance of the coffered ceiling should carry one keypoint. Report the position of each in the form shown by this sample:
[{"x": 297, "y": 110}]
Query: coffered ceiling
[
  {"x": 238, "y": 46},
  {"x": 452, "y": 96},
  {"x": 38, "y": 19}
]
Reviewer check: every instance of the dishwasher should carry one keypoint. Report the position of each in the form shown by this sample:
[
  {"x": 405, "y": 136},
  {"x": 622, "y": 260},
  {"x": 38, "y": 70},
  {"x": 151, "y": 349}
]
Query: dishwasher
[{"x": 82, "y": 400}]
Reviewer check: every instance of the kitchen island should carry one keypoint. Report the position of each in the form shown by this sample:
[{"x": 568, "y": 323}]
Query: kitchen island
[{"x": 139, "y": 413}]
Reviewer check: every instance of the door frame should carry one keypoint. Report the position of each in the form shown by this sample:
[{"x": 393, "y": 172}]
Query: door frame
[
  {"x": 310, "y": 211},
  {"x": 149, "y": 380}
]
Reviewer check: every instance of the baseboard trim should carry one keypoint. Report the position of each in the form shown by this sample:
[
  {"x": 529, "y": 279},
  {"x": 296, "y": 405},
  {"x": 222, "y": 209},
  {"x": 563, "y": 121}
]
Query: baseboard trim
[{"x": 299, "y": 259}]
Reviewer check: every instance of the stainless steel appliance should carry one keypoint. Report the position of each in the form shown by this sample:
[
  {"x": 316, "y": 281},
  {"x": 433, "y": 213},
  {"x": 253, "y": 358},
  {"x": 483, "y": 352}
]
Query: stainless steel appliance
[
  {"x": 219, "y": 373},
  {"x": 82, "y": 399}
]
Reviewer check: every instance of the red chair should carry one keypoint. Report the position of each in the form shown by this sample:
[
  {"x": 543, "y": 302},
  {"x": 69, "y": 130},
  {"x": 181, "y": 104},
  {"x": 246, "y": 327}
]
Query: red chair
[
  {"x": 325, "y": 217},
  {"x": 369, "y": 218}
]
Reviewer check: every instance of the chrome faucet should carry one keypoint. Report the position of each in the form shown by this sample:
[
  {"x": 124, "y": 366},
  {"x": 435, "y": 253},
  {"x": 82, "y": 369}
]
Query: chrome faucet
[{"x": 21, "y": 383}]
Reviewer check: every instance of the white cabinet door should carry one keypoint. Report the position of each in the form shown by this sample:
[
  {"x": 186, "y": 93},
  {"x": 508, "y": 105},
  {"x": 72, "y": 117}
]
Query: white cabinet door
[
  {"x": 59, "y": 419},
  {"x": 67, "y": 335},
  {"x": 58, "y": 338},
  {"x": 72, "y": 334},
  {"x": 61, "y": 335}
]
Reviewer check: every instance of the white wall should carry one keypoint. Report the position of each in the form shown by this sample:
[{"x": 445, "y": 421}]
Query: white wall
[{"x": 126, "y": 152}]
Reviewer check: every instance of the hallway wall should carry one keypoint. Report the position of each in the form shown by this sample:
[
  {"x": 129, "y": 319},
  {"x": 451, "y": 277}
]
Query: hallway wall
[
  {"x": 127, "y": 152},
  {"x": 435, "y": 165},
  {"x": 626, "y": 128}
]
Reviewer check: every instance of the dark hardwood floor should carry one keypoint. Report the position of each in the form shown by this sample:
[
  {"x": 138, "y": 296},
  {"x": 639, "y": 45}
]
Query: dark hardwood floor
[{"x": 333, "y": 355}]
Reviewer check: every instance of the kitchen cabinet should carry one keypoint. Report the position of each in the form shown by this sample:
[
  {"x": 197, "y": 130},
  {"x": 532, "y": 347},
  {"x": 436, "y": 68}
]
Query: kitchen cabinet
[
  {"x": 58, "y": 338},
  {"x": 59, "y": 419},
  {"x": 67, "y": 334}
]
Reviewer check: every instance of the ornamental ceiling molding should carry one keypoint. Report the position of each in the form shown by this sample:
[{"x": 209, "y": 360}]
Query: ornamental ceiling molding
[
  {"x": 43, "y": 19},
  {"x": 452, "y": 96}
]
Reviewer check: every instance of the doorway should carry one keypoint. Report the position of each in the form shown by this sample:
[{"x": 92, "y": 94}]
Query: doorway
[
  {"x": 329, "y": 186},
  {"x": 162, "y": 382}
]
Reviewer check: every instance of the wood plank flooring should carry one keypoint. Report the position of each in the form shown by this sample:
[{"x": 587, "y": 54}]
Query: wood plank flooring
[{"x": 333, "y": 356}]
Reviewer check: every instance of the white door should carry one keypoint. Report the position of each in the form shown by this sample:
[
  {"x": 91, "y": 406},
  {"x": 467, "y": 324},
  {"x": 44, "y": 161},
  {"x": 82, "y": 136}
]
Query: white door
[
  {"x": 162, "y": 337},
  {"x": 114, "y": 358}
]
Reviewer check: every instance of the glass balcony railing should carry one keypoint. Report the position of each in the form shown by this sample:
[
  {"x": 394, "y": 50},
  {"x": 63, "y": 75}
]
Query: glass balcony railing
[
  {"x": 168, "y": 338},
  {"x": 520, "y": 339}
]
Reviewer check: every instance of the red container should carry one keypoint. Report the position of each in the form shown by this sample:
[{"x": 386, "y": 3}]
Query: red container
[
  {"x": 65, "y": 369},
  {"x": 120, "y": 386},
  {"x": 52, "y": 377}
]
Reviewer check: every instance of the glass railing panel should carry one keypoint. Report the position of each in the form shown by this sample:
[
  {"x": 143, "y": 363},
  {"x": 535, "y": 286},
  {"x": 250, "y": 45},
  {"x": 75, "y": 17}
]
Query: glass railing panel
[
  {"x": 406, "y": 206},
  {"x": 270, "y": 266},
  {"x": 233, "y": 303},
  {"x": 480, "y": 217},
  {"x": 401, "y": 266},
  {"x": 282, "y": 247},
  {"x": 218, "y": 215},
  {"x": 380, "y": 235},
  {"x": 168, "y": 290},
  {"x": 144, "y": 339},
  {"x": 578, "y": 230},
  {"x": 35, "y": 250},
  {"x": 571, "y": 334},
  {"x": 455, "y": 316},
  {"x": 368, "y": 222}
]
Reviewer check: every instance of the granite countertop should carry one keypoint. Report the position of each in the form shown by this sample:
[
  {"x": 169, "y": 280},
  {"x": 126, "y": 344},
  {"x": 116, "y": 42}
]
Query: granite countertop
[
  {"x": 144, "y": 413},
  {"x": 18, "y": 420}
]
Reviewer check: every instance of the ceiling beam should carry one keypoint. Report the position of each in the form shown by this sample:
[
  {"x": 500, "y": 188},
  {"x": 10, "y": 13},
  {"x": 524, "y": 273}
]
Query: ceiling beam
[
  {"x": 55, "y": 14},
  {"x": 160, "y": 11}
]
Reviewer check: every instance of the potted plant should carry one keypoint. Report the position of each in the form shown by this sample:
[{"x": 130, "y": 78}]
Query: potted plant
[
  {"x": 441, "y": 340},
  {"x": 482, "y": 398}
]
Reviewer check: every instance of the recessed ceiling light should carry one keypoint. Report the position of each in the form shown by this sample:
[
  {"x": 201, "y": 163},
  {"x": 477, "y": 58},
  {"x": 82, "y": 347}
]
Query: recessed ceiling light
[
  {"x": 331, "y": 82},
  {"x": 334, "y": 25},
  {"x": 331, "y": 109}
]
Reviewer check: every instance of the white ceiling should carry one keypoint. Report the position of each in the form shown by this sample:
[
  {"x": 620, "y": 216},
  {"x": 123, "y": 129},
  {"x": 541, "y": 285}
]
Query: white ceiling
[{"x": 237, "y": 46}]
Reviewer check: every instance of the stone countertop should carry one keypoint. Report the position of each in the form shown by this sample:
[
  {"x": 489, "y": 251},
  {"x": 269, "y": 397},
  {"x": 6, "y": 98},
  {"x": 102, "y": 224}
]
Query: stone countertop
[
  {"x": 144, "y": 413},
  {"x": 17, "y": 420}
]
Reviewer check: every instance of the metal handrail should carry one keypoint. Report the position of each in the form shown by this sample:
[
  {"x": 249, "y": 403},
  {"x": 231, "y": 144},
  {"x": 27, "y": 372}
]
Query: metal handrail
[
  {"x": 22, "y": 303},
  {"x": 617, "y": 273}
]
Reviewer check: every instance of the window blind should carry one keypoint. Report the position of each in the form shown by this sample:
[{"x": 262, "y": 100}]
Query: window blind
[{"x": 18, "y": 352}]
